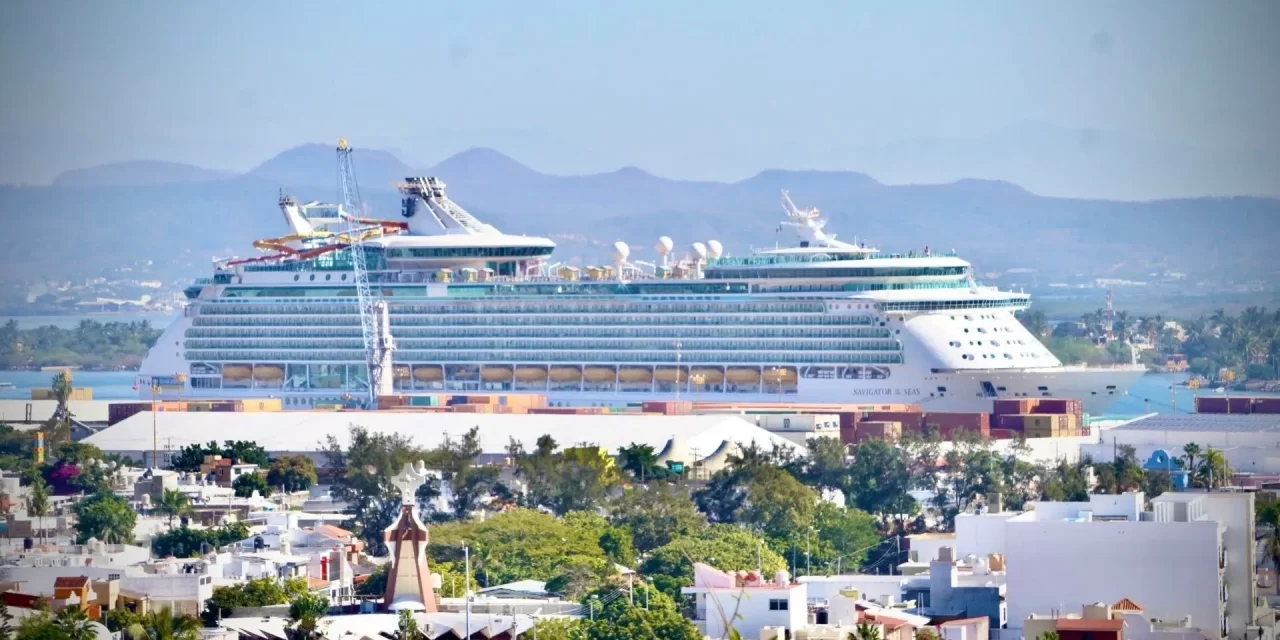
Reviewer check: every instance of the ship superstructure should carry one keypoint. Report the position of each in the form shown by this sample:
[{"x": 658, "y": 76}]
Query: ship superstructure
[{"x": 471, "y": 308}]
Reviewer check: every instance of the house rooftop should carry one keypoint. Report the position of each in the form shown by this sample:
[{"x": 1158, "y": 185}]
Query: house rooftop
[{"x": 1086, "y": 624}]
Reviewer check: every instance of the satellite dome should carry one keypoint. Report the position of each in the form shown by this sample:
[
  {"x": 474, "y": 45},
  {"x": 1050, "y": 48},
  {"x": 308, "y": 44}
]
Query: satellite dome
[
  {"x": 664, "y": 245},
  {"x": 699, "y": 250},
  {"x": 620, "y": 251},
  {"x": 714, "y": 249}
]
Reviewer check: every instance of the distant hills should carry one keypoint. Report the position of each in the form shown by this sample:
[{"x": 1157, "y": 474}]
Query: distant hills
[
  {"x": 137, "y": 174},
  {"x": 179, "y": 215}
]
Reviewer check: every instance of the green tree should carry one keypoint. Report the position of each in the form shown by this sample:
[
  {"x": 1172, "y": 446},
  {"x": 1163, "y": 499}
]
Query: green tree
[
  {"x": 560, "y": 628},
  {"x": 190, "y": 457},
  {"x": 292, "y": 473},
  {"x": 865, "y": 631},
  {"x": 926, "y": 633},
  {"x": 365, "y": 466},
  {"x": 825, "y": 465},
  {"x": 726, "y": 547},
  {"x": 575, "y": 479},
  {"x": 163, "y": 625},
  {"x": 640, "y": 463},
  {"x": 469, "y": 482},
  {"x": 6, "y": 622},
  {"x": 624, "y": 618},
  {"x": 173, "y": 503},
  {"x": 104, "y": 516},
  {"x": 74, "y": 624},
  {"x": 879, "y": 479},
  {"x": 1190, "y": 452},
  {"x": 1214, "y": 470},
  {"x": 305, "y": 612},
  {"x": 407, "y": 627},
  {"x": 519, "y": 544},
  {"x": 185, "y": 542},
  {"x": 258, "y": 592},
  {"x": 655, "y": 515},
  {"x": 247, "y": 483},
  {"x": 38, "y": 501}
]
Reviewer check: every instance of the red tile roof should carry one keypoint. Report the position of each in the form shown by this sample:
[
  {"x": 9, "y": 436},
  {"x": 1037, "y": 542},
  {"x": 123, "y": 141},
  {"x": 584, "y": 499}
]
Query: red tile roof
[
  {"x": 1080, "y": 624},
  {"x": 71, "y": 582},
  {"x": 330, "y": 531},
  {"x": 1126, "y": 604}
]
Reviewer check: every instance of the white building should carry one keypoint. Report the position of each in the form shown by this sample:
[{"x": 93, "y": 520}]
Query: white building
[
  {"x": 883, "y": 589},
  {"x": 1251, "y": 442},
  {"x": 1176, "y": 560},
  {"x": 758, "y": 603}
]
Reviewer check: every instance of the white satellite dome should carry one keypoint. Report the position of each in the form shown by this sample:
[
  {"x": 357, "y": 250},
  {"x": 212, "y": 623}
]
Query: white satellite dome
[
  {"x": 620, "y": 251},
  {"x": 664, "y": 245},
  {"x": 699, "y": 250},
  {"x": 714, "y": 249}
]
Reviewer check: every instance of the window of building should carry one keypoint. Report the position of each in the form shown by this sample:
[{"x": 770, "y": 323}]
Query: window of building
[{"x": 777, "y": 605}]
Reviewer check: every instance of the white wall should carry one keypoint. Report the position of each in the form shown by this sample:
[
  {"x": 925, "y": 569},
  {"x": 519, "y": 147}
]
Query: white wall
[
  {"x": 753, "y": 608},
  {"x": 980, "y": 535},
  {"x": 870, "y": 587},
  {"x": 1235, "y": 511},
  {"x": 1171, "y": 568},
  {"x": 1241, "y": 458}
]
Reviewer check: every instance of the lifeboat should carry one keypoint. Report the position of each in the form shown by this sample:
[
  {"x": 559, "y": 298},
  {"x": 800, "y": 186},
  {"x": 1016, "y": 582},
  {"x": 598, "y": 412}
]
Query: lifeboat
[
  {"x": 600, "y": 374},
  {"x": 635, "y": 374},
  {"x": 464, "y": 373},
  {"x": 669, "y": 374},
  {"x": 743, "y": 375},
  {"x": 566, "y": 374},
  {"x": 268, "y": 372},
  {"x": 402, "y": 372},
  {"x": 708, "y": 375},
  {"x": 428, "y": 373},
  {"x": 501, "y": 373},
  {"x": 531, "y": 374},
  {"x": 237, "y": 371},
  {"x": 786, "y": 375}
]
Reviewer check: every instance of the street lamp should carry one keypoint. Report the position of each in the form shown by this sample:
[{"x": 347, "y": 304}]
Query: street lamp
[{"x": 778, "y": 373}]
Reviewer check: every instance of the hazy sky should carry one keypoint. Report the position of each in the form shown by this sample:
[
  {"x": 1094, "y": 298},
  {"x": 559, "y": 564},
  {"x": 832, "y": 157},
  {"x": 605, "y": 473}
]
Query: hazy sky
[{"x": 683, "y": 89}]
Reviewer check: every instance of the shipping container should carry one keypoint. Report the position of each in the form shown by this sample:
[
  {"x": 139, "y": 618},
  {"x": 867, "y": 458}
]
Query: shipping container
[
  {"x": 1004, "y": 434},
  {"x": 1266, "y": 405},
  {"x": 1211, "y": 404},
  {"x": 1014, "y": 406},
  {"x": 473, "y": 408},
  {"x": 668, "y": 407},
  {"x": 1009, "y": 422},
  {"x": 1059, "y": 405},
  {"x": 911, "y": 421},
  {"x": 869, "y": 429},
  {"x": 979, "y": 422},
  {"x": 1238, "y": 404}
]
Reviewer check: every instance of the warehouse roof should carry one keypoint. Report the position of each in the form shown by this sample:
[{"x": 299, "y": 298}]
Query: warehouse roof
[
  {"x": 306, "y": 431},
  {"x": 1204, "y": 422}
]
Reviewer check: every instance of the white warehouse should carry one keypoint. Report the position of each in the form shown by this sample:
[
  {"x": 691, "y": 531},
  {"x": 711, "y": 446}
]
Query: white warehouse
[{"x": 1251, "y": 442}]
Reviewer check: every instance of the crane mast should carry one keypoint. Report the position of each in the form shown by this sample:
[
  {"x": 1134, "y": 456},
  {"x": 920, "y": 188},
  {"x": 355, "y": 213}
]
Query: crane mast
[{"x": 350, "y": 205}]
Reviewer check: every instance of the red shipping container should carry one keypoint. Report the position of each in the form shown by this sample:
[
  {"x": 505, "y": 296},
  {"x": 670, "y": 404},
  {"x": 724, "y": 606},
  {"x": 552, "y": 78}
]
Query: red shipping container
[
  {"x": 955, "y": 420},
  {"x": 1013, "y": 406},
  {"x": 1211, "y": 404},
  {"x": 913, "y": 422},
  {"x": 1266, "y": 405},
  {"x": 1060, "y": 405},
  {"x": 1240, "y": 405},
  {"x": 1003, "y": 434}
]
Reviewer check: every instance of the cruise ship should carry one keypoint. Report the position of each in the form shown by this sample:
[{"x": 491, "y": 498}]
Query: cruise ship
[{"x": 473, "y": 309}]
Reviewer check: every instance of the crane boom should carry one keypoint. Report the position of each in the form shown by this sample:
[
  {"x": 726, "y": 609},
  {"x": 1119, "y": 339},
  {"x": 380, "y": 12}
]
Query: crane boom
[{"x": 350, "y": 208}]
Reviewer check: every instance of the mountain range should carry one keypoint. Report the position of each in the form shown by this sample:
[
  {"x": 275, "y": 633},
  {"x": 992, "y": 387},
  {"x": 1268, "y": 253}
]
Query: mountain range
[{"x": 179, "y": 215}]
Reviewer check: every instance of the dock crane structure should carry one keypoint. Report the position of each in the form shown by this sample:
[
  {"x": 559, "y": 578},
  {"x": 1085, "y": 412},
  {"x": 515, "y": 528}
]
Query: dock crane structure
[{"x": 375, "y": 323}]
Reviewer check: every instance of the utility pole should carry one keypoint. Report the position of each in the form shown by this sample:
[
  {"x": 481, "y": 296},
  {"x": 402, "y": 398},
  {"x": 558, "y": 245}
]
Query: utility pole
[{"x": 466, "y": 582}]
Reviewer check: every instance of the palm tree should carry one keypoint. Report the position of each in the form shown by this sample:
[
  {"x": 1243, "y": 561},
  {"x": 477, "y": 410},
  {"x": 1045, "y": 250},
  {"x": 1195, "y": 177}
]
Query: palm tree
[
  {"x": 38, "y": 502},
  {"x": 173, "y": 503},
  {"x": 163, "y": 625},
  {"x": 74, "y": 623},
  {"x": 62, "y": 388},
  {"x": 1214, "y": 469},
  {"x": 1189, "y": 453},
  {"x": 865, "y": 632}
]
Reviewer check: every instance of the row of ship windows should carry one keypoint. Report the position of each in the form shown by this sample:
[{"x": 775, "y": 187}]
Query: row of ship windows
[
  {"x": 831, "y": 272},
  {"x": 929, "y": 305},
  {"x": 437, "y": 320},
  {"x": 662, "y": 357},
  {"x": 559, "y": 306},
  {"x": 567, "y": 343},
  {"x": 995, "y": 343},
  {"x": 553, "y": 332}
]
